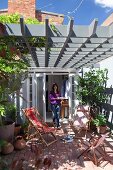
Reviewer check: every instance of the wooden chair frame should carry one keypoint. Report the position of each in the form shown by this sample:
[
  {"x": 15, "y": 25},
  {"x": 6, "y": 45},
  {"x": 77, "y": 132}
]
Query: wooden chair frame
[
  {"x": 40, "y": 126},
  {"x": 86, "y": 128},
  {"x": 95, "y": 145}
]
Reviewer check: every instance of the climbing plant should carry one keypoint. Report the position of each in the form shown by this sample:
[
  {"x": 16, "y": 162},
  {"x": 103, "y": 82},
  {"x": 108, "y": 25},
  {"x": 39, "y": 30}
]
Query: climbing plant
[
  {"x": 13, "y": 58},
  {"x": 33, "y": 41},
  {"x": 13, "y": 61}
]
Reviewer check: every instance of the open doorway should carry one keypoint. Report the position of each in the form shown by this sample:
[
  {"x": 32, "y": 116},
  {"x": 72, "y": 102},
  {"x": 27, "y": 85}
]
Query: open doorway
[{"x": 50, "y": 79}]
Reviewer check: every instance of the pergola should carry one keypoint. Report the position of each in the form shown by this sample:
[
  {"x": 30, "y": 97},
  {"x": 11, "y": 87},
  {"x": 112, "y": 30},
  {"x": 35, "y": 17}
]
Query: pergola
[{"x": 67, "y": 47}]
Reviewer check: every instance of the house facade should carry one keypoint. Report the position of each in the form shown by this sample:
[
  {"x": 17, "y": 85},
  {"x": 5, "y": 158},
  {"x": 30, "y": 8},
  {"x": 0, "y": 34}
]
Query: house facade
[
  {"x": 71, "y": 47},
  {"x": 27, "y": 8}
]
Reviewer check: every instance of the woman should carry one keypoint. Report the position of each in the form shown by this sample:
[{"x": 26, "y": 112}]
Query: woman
[{"x": 55, "y": 103}]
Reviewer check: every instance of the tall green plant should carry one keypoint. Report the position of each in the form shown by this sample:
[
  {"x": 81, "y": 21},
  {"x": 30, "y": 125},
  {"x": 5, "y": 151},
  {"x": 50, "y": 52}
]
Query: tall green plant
[
  {"x": 13, "y": 66},
  {"x": 13, "y": 69},
  {"x": 91, "y": 86}
]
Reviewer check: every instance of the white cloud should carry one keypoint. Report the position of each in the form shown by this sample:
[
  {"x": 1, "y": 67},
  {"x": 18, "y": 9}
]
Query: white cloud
[{"x": 105, "y": 3}]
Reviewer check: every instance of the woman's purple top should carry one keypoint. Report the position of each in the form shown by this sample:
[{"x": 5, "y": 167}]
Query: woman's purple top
[{"x": 52, "y": 97}]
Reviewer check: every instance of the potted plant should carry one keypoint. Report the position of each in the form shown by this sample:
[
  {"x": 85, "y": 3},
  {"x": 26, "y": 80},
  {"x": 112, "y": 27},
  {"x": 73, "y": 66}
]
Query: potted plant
[
  {"x": 100, "y": 122},
  {"x": 6, "y": 125},
  {"x": 90, "y": 89}
]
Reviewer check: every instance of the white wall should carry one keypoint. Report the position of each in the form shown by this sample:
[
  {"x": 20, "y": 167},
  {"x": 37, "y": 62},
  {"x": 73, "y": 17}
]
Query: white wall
[{"x": 108, "y": 63}]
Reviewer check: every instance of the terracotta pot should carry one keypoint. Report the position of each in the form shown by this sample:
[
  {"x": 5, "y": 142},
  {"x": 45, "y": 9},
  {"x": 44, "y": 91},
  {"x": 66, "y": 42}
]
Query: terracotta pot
[
  {"x": 47, "y": 162},
  {"x": 101, "y": 129},
  {"x": 7, "y": 148},
  {"x": 19, "y": 143}
]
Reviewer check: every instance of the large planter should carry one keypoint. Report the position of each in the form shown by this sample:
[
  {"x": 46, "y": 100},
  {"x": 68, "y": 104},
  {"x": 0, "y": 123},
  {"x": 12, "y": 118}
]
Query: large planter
[
  {"x": 102, "y": 129},
  {"x": 7, "y": 132}
]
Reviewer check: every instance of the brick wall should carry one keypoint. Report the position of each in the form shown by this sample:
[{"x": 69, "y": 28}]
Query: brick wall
[
  {"x": 23, "y": 7},
  {"x": 27, "y": 8},
  {"x": 108, "y": 21},
  {"x": 54, "y": 18}
]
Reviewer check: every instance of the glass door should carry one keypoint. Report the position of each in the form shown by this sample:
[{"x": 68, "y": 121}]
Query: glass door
[
  {"x": 72, "y": 94},
  {"x": 34, "y": 93}
]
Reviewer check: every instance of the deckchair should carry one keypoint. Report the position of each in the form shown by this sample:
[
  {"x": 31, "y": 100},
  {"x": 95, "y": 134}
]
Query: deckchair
[
  {"x": 95, "y": 150},
  {"x": 81, "y": 121},
  {"x": 41, "y": 127}
]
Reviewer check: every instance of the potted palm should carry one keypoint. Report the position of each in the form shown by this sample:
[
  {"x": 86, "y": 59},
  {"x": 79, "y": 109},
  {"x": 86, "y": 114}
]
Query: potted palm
[
  {"x": 6, "y": 123},
  {"x": 100, "y": 122}
]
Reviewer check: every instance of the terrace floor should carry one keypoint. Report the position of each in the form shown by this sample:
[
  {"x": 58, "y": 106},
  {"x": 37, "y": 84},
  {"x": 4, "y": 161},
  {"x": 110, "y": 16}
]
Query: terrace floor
[{"x": 63, "y": 155}]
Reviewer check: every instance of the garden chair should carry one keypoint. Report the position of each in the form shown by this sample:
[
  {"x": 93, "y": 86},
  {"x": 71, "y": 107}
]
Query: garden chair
[
  {"x": 41, "y": 127},
  {"x": 95, "y": 150},
  {"x": 81, "y": 121}
]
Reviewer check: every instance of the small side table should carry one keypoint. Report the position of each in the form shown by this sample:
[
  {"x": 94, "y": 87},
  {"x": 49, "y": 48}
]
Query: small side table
[{"x": 64, "y": 106}]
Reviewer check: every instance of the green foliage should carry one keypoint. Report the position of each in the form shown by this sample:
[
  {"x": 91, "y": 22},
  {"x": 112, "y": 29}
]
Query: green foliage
[
  {"x": 3, "y": 142},
  {"x": 33, "y": 41},
  {"x": 53, "y": 28},
  {"x": 91, "y": 87},
  {"x": 3, "y": 164},
  {"x": 2, "y": 113},
  {"x": 13, "y": 66},
  {"x": 31, "y": 21},
  {"x": 99, "y": 120},
  {"x": 10, "y": 111},
  {"x": 12, "y": 18},
  {"x": 15, "y": 18}
]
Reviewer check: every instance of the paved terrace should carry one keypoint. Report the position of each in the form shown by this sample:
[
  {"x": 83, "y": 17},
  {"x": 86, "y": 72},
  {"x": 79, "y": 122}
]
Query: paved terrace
[{"x": 63, "y": 155}]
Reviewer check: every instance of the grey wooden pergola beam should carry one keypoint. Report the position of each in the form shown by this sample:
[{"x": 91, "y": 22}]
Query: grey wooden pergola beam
[
  {"x": 38, "y": 30},
  {"x": 72, "y": 46},
  {"x": 92, "y": 52},
  {"x": 46, "y": 45},
  {"x": 70, "y": 30},
  {"x": 92, "y": 31},
  {"x": 33, "y": 53},
  {"x": 93, "y": 59},
  {"x": 104, "y": 52}
]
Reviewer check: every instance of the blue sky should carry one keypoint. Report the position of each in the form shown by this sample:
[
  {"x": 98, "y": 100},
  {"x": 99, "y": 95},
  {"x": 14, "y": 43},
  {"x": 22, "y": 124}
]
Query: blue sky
[{"x": 83, "y": 11}]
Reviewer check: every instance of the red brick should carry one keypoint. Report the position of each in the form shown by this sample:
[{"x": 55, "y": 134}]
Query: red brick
[
  {"x": 56, "y": 19},
  {"x": 23, "y": 7}
]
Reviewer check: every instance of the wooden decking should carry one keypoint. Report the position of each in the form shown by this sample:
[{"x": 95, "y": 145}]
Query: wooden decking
[{"x": 63, "y": 155}]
